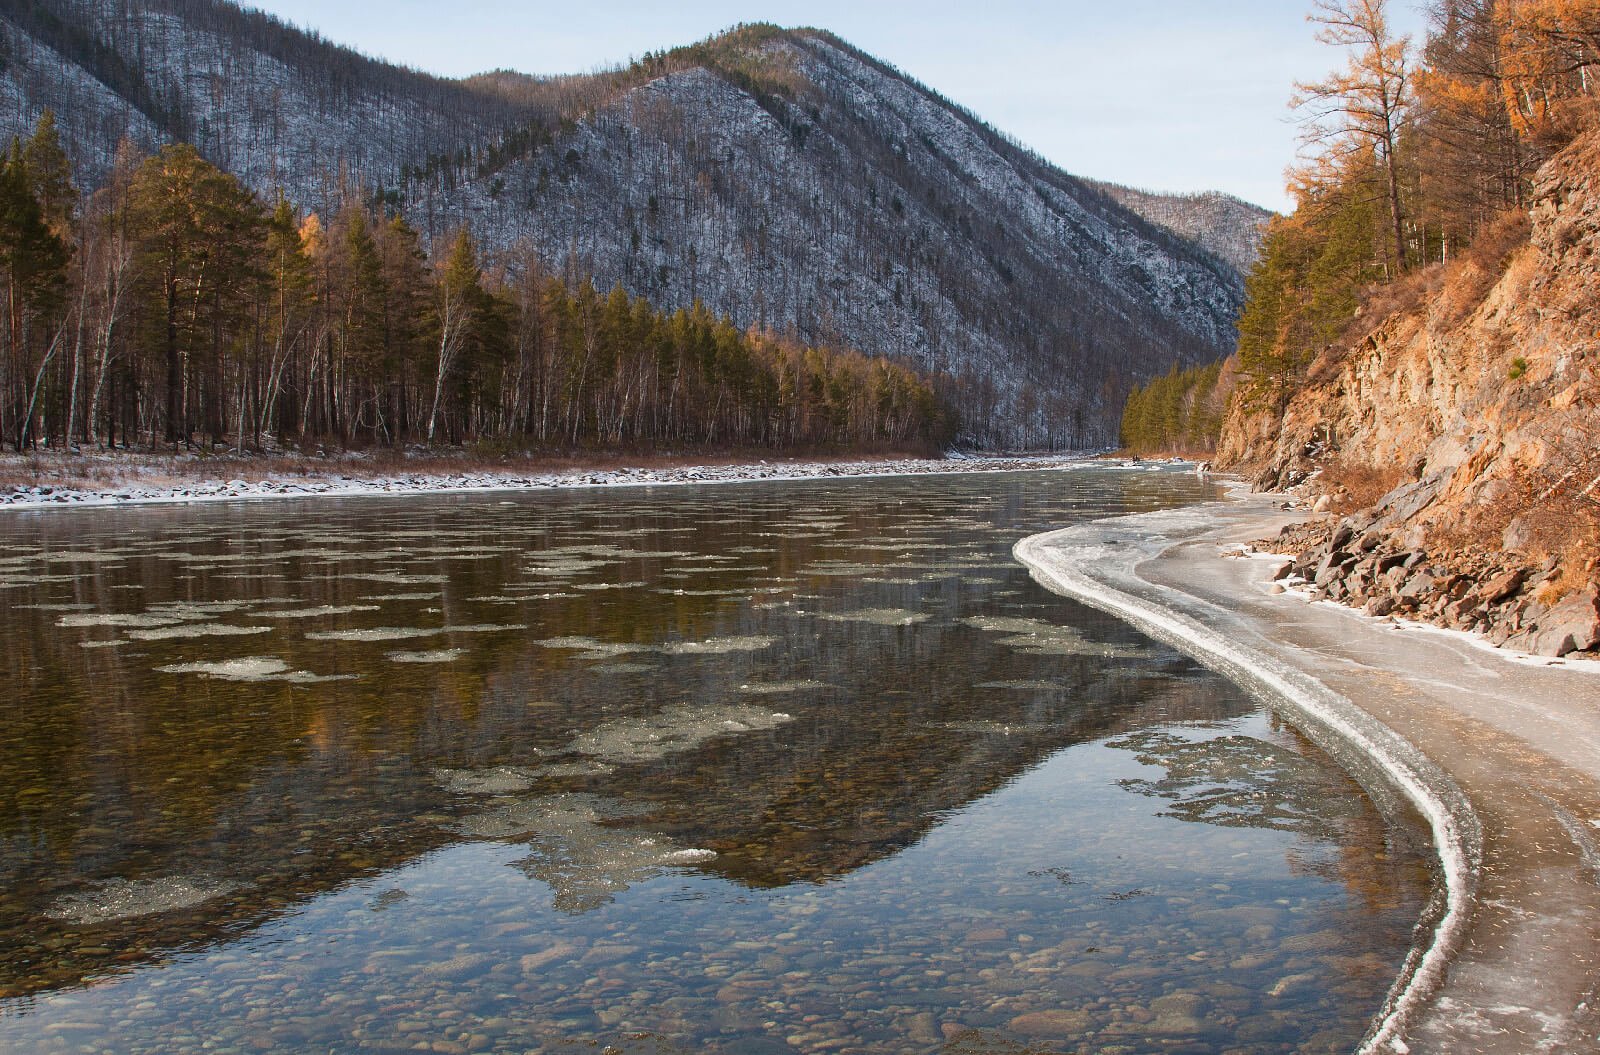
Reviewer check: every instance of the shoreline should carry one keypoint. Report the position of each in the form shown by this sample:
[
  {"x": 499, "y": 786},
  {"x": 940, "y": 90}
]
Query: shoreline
[
  {"x": 1510, "y": 966},
  {"x": 351, "y": 484}
]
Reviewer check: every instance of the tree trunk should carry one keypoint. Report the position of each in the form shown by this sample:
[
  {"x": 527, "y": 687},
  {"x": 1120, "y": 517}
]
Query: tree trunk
[{"x": 174, "y": 366}]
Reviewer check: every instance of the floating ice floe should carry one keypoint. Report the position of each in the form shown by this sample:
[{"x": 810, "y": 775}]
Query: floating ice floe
[
  {"x": 404, "y": 633},
  {"x": 986, "y": 728},
  {"x": 774, "y": 688},
  {"x": 498, "y": 780},
  {"x": 117, "y": 899},
  {"x": 877, "y": 617},
  {"x": 576, "y": 848},
  {"x": 252, "y": 668},
  {"x": 591, "y": 648},
  {"x": 319, "y": 611},
  {"x": 188, "y": 630},
  {"x": 675, "y": 729},
  {"x": 717, "y": 646},
  {"x": 375, "y": 633},
  {"x": 398, "y": 578},
  {"x": 81, "y": 557},
  {"x": 570, "y": 770},
  {"x": 440, "y": 655},
  {"x": 1036, "y": 637},
  {"x": 669, "y": 592},
  {"x": 23, "y": 581},
  {"x": 122, "y": 620},
  {"x": 197, "y": 609},
  {"x": 564, "y": 568},
  {"x": 1019, "y": 686}
]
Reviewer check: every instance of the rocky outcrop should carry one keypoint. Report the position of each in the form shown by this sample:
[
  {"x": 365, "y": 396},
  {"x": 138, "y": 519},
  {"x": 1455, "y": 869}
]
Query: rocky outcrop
[
  {"x": 1501, "y": 595},
  {"x": 1227, "y": 226},
  {"x": 1459, "y": 431}
]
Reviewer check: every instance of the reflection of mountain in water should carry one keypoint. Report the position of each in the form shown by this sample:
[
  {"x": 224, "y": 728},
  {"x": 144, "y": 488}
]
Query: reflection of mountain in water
[
  {"x": 854, "y": 787},
  {"x": 152, "y": 812}
]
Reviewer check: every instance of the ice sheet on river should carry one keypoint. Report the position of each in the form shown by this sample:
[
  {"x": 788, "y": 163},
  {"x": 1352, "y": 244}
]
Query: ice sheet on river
[
  {"x": 584, "y": 861},
  {"x": 117, "y": 899}
]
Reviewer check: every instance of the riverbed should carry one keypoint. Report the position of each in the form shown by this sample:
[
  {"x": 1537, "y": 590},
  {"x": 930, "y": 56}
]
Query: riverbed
[{"x": 800, "y": 766}]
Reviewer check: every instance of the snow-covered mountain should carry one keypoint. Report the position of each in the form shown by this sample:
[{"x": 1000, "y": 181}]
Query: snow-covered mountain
[{"x": 779, "y": 176}]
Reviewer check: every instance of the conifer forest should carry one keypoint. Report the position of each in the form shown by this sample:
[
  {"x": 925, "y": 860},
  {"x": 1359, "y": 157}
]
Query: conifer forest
[{"x": 172, "y": 306}]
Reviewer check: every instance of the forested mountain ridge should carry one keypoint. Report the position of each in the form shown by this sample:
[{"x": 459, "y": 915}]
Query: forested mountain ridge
[{"x": 782, "y": 178}]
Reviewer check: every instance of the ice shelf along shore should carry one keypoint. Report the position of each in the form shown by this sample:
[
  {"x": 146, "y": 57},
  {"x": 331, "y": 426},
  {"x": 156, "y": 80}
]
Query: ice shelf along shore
[{"x": 1508, "y": 965}]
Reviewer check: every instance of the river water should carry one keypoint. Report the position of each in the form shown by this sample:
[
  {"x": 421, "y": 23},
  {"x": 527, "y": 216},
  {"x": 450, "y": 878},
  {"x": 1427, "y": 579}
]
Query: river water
[{"x": 799, "y": 767}]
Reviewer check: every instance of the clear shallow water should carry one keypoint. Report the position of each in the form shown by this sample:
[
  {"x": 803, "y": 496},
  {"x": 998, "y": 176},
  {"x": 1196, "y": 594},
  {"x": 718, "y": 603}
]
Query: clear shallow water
[{"x": 798, "y": 767}]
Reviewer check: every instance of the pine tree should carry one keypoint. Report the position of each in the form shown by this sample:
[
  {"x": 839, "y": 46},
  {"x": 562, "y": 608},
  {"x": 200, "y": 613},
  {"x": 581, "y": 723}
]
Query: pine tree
[
  {"x": 200, "y": 235},
  {"x": 50, "y": 175},
  {"x": 33, "y": 262}
]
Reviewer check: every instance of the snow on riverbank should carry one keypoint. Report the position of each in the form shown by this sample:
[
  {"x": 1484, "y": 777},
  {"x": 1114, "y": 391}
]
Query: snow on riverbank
[{"x": 140, "y": 486}]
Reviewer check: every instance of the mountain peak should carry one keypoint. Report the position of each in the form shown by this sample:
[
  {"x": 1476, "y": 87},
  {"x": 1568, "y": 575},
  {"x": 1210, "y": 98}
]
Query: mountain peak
[{"x": 780, "y": 176}]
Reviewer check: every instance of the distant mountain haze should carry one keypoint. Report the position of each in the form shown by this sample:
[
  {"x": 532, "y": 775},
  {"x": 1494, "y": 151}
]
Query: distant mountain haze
[{"x": 781, "y": 177}]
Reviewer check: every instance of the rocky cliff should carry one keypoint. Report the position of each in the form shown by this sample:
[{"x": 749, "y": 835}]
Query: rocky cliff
[{"x": 1455, "y": 435}]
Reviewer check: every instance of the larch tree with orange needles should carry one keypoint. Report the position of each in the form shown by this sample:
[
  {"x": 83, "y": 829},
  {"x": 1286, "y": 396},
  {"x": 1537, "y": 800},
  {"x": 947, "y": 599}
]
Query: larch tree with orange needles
[
  {"x": 1473, "y": 165},
  {"x": 1552, "y": 56},
  {"x": 1359, "y": 113}
]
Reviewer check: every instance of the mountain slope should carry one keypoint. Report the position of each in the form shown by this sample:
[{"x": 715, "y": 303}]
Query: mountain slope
[
  {"x": 781, "y": 177},
  {"x": 1229, "y": 227}
]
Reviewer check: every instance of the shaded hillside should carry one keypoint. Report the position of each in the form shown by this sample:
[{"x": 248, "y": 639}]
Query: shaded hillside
[
  {"x": 781, "y": 177},
  {"x": 1229, "y": 227},
  {"x": 276, "y": 106}
]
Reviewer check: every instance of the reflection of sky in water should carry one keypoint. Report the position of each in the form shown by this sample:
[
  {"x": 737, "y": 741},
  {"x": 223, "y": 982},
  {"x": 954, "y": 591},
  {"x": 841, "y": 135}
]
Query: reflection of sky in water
[{"x": 773, "y": 767}]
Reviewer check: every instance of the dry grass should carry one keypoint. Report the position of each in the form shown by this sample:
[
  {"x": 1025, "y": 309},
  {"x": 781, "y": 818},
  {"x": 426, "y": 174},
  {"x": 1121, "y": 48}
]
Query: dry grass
[
  {"x": 1469, "y": 278},
  {"x": 1449, "y": 293},
  {"x": 1351, "y": 487}
]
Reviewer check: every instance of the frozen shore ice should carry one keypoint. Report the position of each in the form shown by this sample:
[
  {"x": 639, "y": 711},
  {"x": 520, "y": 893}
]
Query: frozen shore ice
[{"x": 1509, "y": 759}]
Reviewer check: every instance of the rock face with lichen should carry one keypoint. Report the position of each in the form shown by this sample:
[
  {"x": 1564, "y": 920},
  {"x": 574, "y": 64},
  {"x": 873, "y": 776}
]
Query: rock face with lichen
[{"x": 1460, "y": 436}]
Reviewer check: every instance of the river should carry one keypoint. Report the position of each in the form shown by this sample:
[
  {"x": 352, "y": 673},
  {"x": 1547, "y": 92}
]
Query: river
[{"x": 797, "y": 767}]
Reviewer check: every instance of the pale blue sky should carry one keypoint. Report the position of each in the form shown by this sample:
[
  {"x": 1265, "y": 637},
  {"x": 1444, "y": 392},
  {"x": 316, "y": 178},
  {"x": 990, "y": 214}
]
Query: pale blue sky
[{"x": 1172, "y": 95}]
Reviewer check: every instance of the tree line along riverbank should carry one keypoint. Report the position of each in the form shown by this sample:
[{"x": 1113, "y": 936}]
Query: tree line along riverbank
[{"x": 173, "y": 307}]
